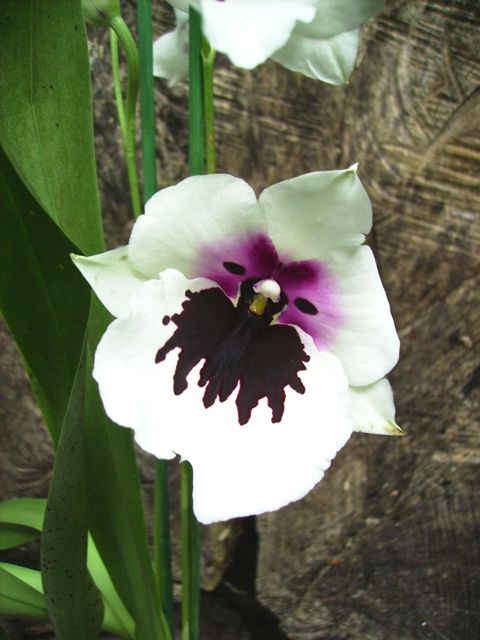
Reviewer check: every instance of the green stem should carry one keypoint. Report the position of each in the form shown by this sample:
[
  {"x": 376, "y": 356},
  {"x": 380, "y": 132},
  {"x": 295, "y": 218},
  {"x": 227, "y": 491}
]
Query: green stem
[
  {"x": 208, "y": 59},
  {"x": 128, "y": 129},
  {"x": 189, "y": 525},
  {"x": 147, "y": 102},
  {"x": 190, "y": 536},
  {"x": 161, "y": 541},
  {"x": 196, "y": 137},
  {"x": 161, "y": 525},
  {"x": 185, "y": 510},
  {"x": 117, "y": 83}
]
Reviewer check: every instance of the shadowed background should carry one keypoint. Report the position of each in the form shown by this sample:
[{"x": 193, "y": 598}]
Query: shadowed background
[{"x": 388, "y": 545}]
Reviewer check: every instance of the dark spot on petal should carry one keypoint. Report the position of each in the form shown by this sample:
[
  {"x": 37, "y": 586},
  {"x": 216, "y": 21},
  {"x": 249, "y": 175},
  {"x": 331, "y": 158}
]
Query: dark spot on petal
[
  {"x": 305, "y": 306},
  {"x": 237, "y": 347},
  {"x": 235, "y": 268},
  {"x": 165, "y": 320}
]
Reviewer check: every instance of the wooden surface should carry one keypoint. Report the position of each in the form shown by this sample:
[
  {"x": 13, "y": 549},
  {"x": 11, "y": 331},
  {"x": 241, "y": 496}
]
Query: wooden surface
[{"x": 388, "y": 545}]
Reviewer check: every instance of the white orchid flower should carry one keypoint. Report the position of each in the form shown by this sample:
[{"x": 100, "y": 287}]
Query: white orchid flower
[
  {"x": 318, "y": 38},
  {"x": 251, "y": 336}
]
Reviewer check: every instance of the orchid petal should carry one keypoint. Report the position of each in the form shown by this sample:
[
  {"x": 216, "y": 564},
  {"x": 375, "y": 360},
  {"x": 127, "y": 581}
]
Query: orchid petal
[
  {"x": 125, "y": 367},
  {"x": 373, "y": 409},
  {"x": 238, "y": 470},
  {"x": 331, "y": 60},
  {"x": 200, "y": 210},
  {"x": 263, "y": 466},
  {"x": 366, "y": 340},
  {"x": 249, "y": 32},
  {"x": 336, "y": 16},
  {"x": 170, "y": 52},
  {"x": 112, "y": 277},
  {"x": 311, "y": 215}
]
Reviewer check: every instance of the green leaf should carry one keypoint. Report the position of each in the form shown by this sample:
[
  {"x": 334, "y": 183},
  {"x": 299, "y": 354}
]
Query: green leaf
[
  {"x": 43, "y": 298},
  {"x": 121, "y": 537},
  {"x": 20, "y": 521},
  {"x": 31, "y": 511},
  {"x": 46, "y": 132},
  {"x": 73, "y": 601},
  {"x": 27, "y": 512},
  {"x": 43, "y": 305},
  {"x": 20, "y": 592},
  {"x": 19, "y": 601},
  {"x": 46, "y": 112},
  {"x": 116, "y": 617},
  {"x": 13, "y": 535}
]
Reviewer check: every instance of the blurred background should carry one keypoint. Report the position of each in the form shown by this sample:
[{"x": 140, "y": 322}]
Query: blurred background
[{"x": 388, "y": 544}]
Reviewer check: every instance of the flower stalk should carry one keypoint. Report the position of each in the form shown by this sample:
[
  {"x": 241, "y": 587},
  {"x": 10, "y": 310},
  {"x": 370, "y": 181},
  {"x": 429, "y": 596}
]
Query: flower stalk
[
  {"x": 147, "y": 103},
  {"x": 196, "y": 139},
  {"x": 126, "y": 111},
  {"x": 161, "y": 524},
  {"x": 208, "y": 61},
  {"x": 190, "y": 530}
]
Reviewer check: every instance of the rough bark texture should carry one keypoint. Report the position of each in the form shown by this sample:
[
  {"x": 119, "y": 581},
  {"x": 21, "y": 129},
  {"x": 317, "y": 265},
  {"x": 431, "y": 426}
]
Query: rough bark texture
[{"x": 387, "y": 546}]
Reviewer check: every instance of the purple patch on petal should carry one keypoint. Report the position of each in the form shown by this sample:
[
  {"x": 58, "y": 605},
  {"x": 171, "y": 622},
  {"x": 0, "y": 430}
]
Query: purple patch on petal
[
  {"x": 230, "y": 262},
  {"x": 312, "y": 299},
  {"x": 313, "y": 302}
]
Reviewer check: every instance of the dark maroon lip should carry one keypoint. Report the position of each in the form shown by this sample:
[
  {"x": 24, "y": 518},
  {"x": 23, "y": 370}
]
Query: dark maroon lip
[{"x": 240, "y": 349}]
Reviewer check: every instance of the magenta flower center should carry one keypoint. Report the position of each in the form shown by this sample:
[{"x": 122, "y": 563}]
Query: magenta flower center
[{"x": 311, "y": 297}]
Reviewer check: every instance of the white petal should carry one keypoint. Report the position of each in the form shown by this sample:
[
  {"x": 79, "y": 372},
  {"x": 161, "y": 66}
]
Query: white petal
[
  {"x": 337, "y": 16},
  {"x": 331, "y": 60},
  {"x": 112, "y": 277},
  {"x": 312, "y": 214},
  {"x": 373, "y": 409},
  {"x": 170, "y": 52},
  {"x": 130, "y": 381},
  {"x": 366, "y": 341},
  {"x": 249, "y": 32},
  {"x": 238, "y": 470},
  {"x": 179, "y": 220},
  {"x": 262, "y": 466}
]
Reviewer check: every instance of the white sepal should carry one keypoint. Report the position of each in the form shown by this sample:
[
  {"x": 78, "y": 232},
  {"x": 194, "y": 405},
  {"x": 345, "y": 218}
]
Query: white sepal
[
  {"x": 330, "y": 60},
  {"x": 373, "y": 409},
  {"x": 112, "y": 277},
  {"x": 170, "y": 52}
]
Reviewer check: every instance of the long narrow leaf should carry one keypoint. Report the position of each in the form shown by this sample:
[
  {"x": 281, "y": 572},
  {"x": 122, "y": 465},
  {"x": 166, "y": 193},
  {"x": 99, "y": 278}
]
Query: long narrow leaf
[
  {"x": 29, "y": 513},
  {"x": 42, "y": 297},
  {"x": 46, "y": 131},
  {"x": 73, "y": 601},
  {"x": 17, "y": 600},
  {"x": 17, "y": 595},
  {"x": 121, "y": 538},
  {"x": 13, "y": 535},
  {"x": 46, "y": 112}
]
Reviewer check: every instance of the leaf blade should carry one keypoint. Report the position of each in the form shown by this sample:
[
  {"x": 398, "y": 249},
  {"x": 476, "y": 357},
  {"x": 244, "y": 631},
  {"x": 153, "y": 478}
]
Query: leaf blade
[
  {"x": 73, "y": 601},
  {"x": 30, "y": 513},
  {"x": 113, "y": 476},
  {"x": 46, "y": 112},
  {"x": 17, "y": 595},
  {"x": 43, "y": 299}
]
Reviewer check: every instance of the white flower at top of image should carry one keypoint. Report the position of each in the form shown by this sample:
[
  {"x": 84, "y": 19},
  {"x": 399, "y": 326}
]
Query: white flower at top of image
[
  {"x": 318, "y": 38},
  {"x": 252, "y": 336}
]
